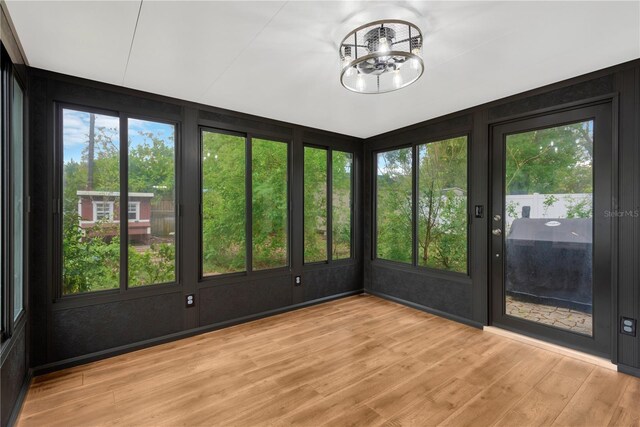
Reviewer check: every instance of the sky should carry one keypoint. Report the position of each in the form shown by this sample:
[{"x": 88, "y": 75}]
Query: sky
[{"x": 76, "y": 131}]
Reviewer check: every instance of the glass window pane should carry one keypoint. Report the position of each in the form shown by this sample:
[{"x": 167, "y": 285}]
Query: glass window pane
[
  {"x": 270, "y": 204},
  {"x": 17, "y": 172},
  {"x": 315, "y": 204},
  {"x": 442, "y": 204},
  {"x": 549, "y": 226},
  {"x": 151, "y": 211},
  {"x": 223, "y": 204},
  {"x": 393, "y": 205},
  {"x": 341, "y": 204},
  {"x": 91, "y": 196}
]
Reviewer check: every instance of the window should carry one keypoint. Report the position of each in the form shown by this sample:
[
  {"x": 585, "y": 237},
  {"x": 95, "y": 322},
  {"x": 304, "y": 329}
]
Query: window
[
  {"x": 442, "y": 204},
  {"x": 315, "y": 204},
  {"x": 319, "y": 244},
  {"x": 93, "y": 236},
  {"x": 133, "y": 211},
  {"x": 90, "y": 193},
  {"x": 151, "y": 209},
  {"x": 394, "y": 205},
  {"x": 270, "y": 206},
  {"x": 341, "y": 204},
  {"x": 103, "y": 211},
  {"x": 226, "y": 218},
  {"x": 441, "y": 211},
  {"x": 17, "y": 196},
  {"x": 223, "y": 203}
]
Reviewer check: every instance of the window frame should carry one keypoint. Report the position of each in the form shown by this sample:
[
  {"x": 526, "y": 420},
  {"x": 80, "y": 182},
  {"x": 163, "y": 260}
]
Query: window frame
[
  {"x": 204, "y": 280},
  {"x": 136, "y": 211},
  {"x": 58, "y": 188},
  {"x": 413, "y": 265},
  {"x": 9, "y": 76},
  {"x": 110, "y": 204},
  {"x": 352, "y": 187}
]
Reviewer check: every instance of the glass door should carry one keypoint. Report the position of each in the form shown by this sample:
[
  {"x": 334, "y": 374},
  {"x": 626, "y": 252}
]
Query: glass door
[{"x": 550, "y": 230}]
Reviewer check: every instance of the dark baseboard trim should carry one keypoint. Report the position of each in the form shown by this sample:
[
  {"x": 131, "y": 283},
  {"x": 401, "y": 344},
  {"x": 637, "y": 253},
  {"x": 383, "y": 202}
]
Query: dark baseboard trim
[
  {"x": 104, "y": 354},
  {"x": 17, "y": 406},
  {"x": 629, "y": 370},
  {"x": 424, "y": 308}
]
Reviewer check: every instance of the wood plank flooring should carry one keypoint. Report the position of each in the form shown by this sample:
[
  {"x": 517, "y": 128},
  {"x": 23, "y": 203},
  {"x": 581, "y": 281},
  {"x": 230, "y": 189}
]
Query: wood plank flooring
[{"x": 358, "y": 361}]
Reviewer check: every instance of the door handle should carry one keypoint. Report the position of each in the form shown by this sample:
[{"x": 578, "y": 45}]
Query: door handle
[{"x": 496, "y": 232}]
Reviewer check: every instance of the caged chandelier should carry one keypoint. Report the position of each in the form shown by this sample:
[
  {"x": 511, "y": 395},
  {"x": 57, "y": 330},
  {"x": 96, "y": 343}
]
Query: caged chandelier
[{"x": 381, "y": 56}]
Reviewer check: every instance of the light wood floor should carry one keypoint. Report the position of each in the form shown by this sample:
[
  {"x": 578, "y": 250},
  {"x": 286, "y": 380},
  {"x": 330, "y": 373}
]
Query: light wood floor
[{"x": 356, "y": 361}]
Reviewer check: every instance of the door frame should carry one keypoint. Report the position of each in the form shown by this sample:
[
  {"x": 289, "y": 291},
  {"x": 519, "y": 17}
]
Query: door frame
[{"x": 601, "y": 342}]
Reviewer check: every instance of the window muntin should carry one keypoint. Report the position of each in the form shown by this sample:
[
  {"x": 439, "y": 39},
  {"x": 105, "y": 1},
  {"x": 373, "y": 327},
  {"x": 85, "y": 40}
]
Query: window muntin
[
  {"x": 18, "y": 196},
  {"x": 315, "y": 205},
  {"x": 270, "y": 206},
  {"x": 223, "y": 203},
  {"x": 442, "y": 204},
  {"x": 103, "y": 211},
  {"x": 341, "y": 204},
  {"x": 90, "y": 177},
  {"x": 394, "y": 205},
  {"x": 151, "y": 211}
]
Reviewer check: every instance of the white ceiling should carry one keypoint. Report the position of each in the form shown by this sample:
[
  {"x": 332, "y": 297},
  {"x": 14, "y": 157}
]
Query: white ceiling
[{"x": 279, "y": 59}]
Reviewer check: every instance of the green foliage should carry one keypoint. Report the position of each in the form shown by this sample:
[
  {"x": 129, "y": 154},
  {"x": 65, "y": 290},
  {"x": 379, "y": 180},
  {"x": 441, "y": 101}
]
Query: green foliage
[
  {"x": 223, "y": 203},
  {"x": 315, "y": 204},
  {"x": 270, "y": 205},
  {"x": 341, "y": 204},
  {"x": 91, "y": 257},
  {"x": 442, "y": 204},
  {"x": 549, "y": 200},
  {"x": 547, "y": 161},
  {"x": 579, "y": 208},
  {"x": 153, "y": 265},
  {"x": 393, "y": 205},
  {"x": 90, "y": 263}
]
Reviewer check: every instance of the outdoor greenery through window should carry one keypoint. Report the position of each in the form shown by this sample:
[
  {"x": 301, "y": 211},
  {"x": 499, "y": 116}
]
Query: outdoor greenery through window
[
  {"x": 442, "y": 204},
  {"x": 394, "y": 205},
  {"x": 224, "y": 215},
  {"x": 315, "y": 204},
  {"x": 151, "y": 206},
  {"x": 91, "y": 202},
  {"x": 91, "y": 180},
  {"x": 270, "y": 207},
  {"x": 223, "y": 203},
  {"x": 341, "y": 204}
]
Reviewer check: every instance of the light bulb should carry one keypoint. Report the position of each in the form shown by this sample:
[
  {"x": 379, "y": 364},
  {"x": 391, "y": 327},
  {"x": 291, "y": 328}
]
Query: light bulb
[
  {"x": 415, "y": 64},
  {"x": 349, "y": 72},
  {"x": 415, "y": 51},
  {"x": 346, "y": 61},
  {"x": 397, "y": 79},
  {"x": 360, "y": 83},
  {"x": 383, "y": 46}
]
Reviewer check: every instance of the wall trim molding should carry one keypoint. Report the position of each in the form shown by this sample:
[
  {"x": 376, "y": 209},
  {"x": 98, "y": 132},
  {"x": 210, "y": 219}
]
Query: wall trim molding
[
  {"x": 115, "y": 351},
  {"x": 17, "y": 406},
  {"x": 455, "y": 318},
  {"x": 629, "y": 370}
]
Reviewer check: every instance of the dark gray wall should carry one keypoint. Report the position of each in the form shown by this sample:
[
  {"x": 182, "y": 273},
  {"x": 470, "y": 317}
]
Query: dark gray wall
[
  {"x": 13, "y": 374},
  {"x": 71, "y": 330},
  {"x": 466, "y": 298}
]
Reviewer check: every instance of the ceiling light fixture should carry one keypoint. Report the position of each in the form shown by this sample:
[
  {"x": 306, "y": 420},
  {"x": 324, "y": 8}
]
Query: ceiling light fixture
[{"x": 381, "y": 56}]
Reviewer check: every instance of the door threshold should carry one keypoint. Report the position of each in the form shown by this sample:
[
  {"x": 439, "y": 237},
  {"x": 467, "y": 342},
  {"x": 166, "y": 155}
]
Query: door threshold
[{"x": 569, "y": 352}]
